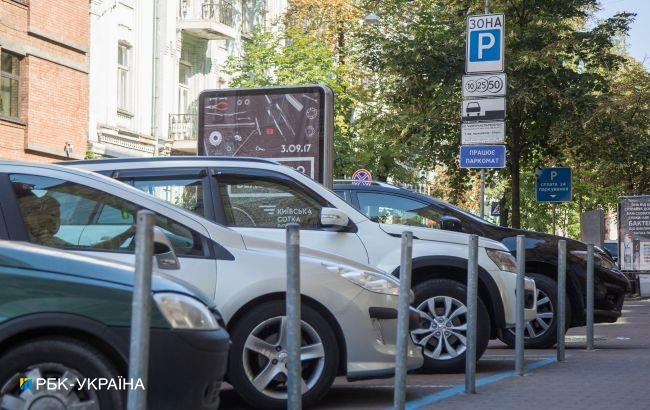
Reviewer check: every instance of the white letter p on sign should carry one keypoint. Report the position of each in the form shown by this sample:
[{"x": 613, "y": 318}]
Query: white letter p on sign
[
  {"x": 481, "y": 44},
  {"x": 553, "y": 175}
]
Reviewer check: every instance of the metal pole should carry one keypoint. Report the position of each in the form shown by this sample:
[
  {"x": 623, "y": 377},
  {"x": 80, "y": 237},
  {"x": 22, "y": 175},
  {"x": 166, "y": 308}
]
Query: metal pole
[
  {"x": 401, "y": 357},
  {"x": 486, "y": 7},
  {"x": 553, "y": 207},
  {"x": 472, "y": 284},
  {"x": 520, "y": 323},
  {"x": 561, "y": 299},
  {"x": 482, "y": 193},
  {"x": 294, "y": 383},
  {"x": 590, "y": 296},
  {"x": 141, "y": 310}
]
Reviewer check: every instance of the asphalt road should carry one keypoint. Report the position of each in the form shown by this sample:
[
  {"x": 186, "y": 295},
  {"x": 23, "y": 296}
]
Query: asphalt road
[{"x": 615, "y": 375}]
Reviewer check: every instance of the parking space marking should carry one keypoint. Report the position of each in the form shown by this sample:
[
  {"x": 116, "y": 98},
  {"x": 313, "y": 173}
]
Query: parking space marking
[{"x": 444, "y": 394}]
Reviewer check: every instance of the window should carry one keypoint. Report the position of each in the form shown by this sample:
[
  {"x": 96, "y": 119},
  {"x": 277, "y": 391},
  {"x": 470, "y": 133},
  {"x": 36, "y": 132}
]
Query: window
[
  {"x": 184, "y": 74},
  {"x": 184, "y": 192},
  {"x": 263, "y": 203},
  {"x": 123, "y": 77},
  {"x": 63, "y": 214},
  {"x": 9, "y": 84},
  {"x": 400, "y": 210}
]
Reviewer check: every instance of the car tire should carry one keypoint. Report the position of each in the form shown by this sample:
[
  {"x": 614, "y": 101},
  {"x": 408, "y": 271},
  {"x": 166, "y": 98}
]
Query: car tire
[
  {"x": 546, "y": 303},
  {"x": 246, "y": 364},
  {"x": 54, "y": 358},
  {"x": 441, "y": 347}
]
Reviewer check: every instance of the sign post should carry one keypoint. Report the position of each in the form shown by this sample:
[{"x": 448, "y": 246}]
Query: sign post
[
  {"x": 553, "y": 185},
  {"x": 483, "y": 110}
]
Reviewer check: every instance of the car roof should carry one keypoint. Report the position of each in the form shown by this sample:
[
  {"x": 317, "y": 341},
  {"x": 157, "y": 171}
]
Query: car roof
[{"x": 165, "y": 159}]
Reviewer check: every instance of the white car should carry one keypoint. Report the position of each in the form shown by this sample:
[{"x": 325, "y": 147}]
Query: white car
[
  {"x": 348, "y": 309},
  {"x": 258, "y": 198}
]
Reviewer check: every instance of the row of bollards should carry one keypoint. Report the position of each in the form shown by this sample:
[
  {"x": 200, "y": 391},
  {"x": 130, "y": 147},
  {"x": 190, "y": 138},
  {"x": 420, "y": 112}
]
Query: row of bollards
[{"x": 141, "y": 312}]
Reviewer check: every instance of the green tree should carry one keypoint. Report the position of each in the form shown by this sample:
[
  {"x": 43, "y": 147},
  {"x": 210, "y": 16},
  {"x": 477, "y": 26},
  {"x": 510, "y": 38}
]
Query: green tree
[
  {"x": 292, "y": 56},
  {"x": 414, "y": 59}
]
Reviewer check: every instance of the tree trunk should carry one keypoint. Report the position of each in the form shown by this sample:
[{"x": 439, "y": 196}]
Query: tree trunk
[
  {"x": 503, "y": 208},
  {"x": 515, "y": 151}
]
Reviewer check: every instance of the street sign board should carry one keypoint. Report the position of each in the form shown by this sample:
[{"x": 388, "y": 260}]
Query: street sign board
[
  {"x": 485, "y": 43},
  {"x": 634, "y": 233},
  {"x": 553, "y": 184},
  {"x": 361, "y": 177},
  {"x": 495, "y": 209},
  {"x": 492, "y": 132},
  {"x": 482, "y": 156},
  {"x": 292, "y": 125},
  {"x": 484, "y": 109},
  {"x": 484, "y": 85}
]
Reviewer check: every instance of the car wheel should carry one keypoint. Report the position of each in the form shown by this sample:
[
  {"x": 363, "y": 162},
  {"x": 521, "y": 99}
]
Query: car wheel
[
  {"x": 541, "y": 332},
  {"x": 443, "y": 335},
  {"x": 65, "y": 360},
  {"x": 258, "y": 357}
]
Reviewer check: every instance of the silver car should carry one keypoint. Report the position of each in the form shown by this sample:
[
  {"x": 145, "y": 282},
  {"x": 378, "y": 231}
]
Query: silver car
[{"x": 348, "y": 309}]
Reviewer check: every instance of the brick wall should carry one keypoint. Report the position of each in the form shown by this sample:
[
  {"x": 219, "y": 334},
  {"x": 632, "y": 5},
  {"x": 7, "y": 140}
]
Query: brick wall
[{"x": 51, "y": 36}]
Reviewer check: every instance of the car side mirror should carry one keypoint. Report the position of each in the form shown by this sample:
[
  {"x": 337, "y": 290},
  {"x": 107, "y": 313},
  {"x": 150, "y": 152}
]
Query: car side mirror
[
  {"x": 332, "y": 217},
  {"x": 164, "y": 251},
  {"x": 451, "y": 223}
]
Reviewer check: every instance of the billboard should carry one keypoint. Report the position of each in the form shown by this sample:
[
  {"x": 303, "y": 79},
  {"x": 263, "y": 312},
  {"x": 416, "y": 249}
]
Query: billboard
[
  {"x": 292, "y": 125},
  {"x": 634, "y": 233}
]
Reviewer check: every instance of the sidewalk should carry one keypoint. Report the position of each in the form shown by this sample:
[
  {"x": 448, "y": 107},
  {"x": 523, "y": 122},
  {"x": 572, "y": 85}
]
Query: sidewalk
[{"x": 614, "y": 376}]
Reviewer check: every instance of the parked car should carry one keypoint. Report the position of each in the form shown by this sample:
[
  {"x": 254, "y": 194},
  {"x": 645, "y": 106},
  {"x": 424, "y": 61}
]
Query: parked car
[
  {"x": 387, "y": 203},
  {"x": 67, "y": 318},
  {"x": 611, "y": 247},
  {"x": 259, "y": 197},
  {"x": 348, "y": 309}
]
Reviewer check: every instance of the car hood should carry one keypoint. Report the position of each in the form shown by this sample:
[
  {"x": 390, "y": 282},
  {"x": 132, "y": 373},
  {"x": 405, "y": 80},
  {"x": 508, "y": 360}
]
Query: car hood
[
  {"x": 438, "y": 235},
  {"x": 39, "y": 258},
  {"x": 261, "y": 244}
]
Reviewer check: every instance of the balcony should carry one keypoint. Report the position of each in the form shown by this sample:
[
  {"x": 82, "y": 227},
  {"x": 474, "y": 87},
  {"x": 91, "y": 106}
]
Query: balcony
[
  {"x": 210, "y": 20},
  {"x": 183, "y": 133}
]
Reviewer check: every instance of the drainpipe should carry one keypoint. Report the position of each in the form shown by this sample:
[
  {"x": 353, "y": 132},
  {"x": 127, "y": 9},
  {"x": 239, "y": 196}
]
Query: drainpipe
[{"x": 154, "y": 65}]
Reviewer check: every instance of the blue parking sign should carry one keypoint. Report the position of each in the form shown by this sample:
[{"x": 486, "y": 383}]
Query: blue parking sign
[
  {"x": 553, "y": 184},
  {"x": 485, "y": 43},
  {"x": 482, "y": 156}
]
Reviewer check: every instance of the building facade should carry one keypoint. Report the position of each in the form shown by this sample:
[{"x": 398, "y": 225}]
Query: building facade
[
  {"x": 149, "y": 61},
  {"x": 43, "y": 79}
]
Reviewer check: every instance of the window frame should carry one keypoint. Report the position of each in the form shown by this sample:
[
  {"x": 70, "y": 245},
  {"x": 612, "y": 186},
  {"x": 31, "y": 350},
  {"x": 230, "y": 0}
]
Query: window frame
[
  {"x": 13, "y": 77},
  {"x": 18, "y": 230},
  {"x": 272, "y": 176},
  {"x": 377, "y": 192},
  {"x": 124, "y": 101}
]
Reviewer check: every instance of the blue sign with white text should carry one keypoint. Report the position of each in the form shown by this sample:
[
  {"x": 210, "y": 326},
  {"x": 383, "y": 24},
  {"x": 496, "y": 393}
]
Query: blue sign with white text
[
  {"x": 553, "y": 184},
  {"x": 482, "y": 156}
]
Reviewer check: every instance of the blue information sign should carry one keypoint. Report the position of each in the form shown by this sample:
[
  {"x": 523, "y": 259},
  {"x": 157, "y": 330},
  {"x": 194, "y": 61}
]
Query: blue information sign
[
  {"x": 482, "y": 156},
  {"x": 553, "y": 184}
]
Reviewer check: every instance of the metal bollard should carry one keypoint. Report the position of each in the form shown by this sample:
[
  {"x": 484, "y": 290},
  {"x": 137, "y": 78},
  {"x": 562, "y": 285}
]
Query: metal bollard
[
  {"x": 141, "y": 310},
  {"x": 561, "y": 299},
  {"x": 590, "y": 297},
  {"x": 294, "y": 382},
  {"x": 520, "y": 323},
  {"x": 472, "y": 285},
  {"x": 401, "y": 357}
]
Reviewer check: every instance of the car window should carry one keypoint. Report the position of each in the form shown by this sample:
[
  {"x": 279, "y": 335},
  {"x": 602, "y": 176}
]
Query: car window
[
  {"x": 393, "y": 209},
  {"x": 64, "y": 214},
  {"x": 265, "y": 203},
  {"x": 185, "y": 192}
]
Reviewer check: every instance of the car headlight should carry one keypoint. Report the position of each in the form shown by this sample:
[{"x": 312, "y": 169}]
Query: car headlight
[
  {"x": 604, "y": 263},
  {"x": 185, "y": 312},
  {"x": 372, "y": 281},
  {"x": 504, "y": 260}
]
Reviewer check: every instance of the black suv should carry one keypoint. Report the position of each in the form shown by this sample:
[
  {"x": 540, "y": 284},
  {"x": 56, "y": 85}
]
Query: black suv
[{"x": 390, "y": 204}]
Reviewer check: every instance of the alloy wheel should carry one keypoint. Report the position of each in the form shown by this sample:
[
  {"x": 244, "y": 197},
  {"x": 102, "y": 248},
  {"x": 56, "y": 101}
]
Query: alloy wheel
[
  {"x": 542, "y": 322},
  {"x": 265, "y": 357},
  {"x": 31, "y": 396},
  {"x": 444, "y": 337}
]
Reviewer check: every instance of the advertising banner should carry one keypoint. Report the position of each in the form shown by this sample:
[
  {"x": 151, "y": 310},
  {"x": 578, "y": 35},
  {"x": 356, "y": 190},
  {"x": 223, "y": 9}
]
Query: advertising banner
[
  {"x": 634, "y": 233},
  {"x": 292, "y": 125}
]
